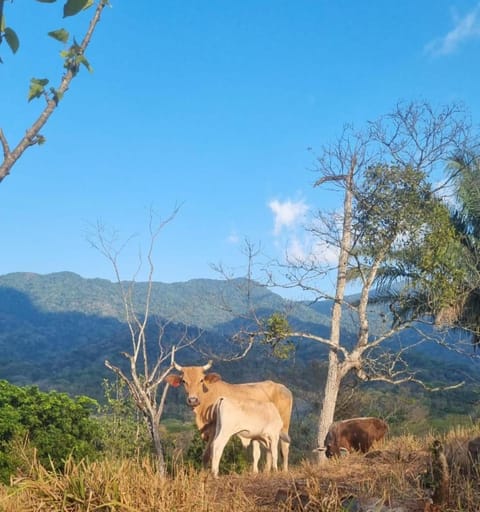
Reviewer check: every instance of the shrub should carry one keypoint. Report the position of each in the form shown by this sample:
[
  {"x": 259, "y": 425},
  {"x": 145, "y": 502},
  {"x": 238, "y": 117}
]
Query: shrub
[{"x": 55, "y": 424}]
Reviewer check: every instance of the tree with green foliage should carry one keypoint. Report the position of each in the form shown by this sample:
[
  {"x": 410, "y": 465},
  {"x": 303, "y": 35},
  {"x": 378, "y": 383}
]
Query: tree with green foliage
[
  {"x": 443, "y": 279},
  {"x": 73, "y": 57},
  {"x": 384, "y": 177},
  {"x": 56, "y": 425},
  {"x": 466, "y": 220}
]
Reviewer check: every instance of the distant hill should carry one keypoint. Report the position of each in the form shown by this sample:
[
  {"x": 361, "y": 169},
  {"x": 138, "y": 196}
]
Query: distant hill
[
  {"x": 56, "y": 330},
  {"x": 206, "y": 303}
]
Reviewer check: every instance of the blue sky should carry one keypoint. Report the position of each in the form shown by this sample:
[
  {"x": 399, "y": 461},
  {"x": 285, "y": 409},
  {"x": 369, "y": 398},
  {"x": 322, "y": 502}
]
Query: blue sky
[{"x": 209, "y": 105}]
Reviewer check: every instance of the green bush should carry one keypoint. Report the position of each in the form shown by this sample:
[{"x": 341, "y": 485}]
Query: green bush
[
  {"x": 124, "y": 432},
  {"x": 55, "y": 424}
]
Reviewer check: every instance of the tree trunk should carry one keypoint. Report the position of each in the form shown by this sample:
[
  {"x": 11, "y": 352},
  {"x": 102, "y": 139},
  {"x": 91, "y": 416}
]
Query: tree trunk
[
  {"x": 335, "y": 374},
  {"x": 157, "y": 446},
  {"x": 332, "y": 387}
]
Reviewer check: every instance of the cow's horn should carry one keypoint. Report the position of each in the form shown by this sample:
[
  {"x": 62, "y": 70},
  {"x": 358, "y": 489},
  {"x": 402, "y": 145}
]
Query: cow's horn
[
  {"x": 177, "y": 367},
  {"x": 207, "y": 366}
]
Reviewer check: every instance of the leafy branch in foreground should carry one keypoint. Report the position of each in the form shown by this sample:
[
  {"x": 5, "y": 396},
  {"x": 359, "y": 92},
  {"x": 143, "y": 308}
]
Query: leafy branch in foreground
[{"x": 73, "y": 58}]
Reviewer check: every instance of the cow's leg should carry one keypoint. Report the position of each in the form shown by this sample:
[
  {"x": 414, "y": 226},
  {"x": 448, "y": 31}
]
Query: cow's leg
[
  {"x": 268, "y": 461},
  {"x": 207, "y": 434},
  {"x": 285, "y": 447},
  {"x": 218, "y": 446},
  {"x": 274, "y": 451},
  {"x": 256, "y": 455},
  {"x": 207, "y": 454}
]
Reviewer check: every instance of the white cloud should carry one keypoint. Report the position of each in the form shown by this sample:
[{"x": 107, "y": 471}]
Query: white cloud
[
  {"x": 296, "y": 250},
  {"x": 311, "y": 252},
  {"x": 287, "y": 215},
  {"x": 466, "y": 27},
  {"x": 298, "y": 244}
]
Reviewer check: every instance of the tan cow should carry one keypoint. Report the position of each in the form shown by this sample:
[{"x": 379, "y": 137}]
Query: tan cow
[
  {"x": 252, "y": 421},
  {"x": 204, "y": 389}
]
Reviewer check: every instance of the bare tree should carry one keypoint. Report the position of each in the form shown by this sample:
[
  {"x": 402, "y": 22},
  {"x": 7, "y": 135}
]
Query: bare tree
[
  {"x": 151, "y": 356},
  {"x": 73, "y": 59}
]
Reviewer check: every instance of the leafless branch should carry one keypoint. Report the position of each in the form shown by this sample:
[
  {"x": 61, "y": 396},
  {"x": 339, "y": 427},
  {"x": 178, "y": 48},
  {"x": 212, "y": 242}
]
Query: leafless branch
[
  {"x": 415, "y": 134},
  {"x": 146, "y": 369}
]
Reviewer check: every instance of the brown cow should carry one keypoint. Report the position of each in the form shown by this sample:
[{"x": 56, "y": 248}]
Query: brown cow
[
  {"x": 204, "y": 389},
  {"x": 356, "y": 434}
]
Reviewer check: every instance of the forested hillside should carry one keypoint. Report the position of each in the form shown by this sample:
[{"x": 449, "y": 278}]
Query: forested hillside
[
  {"x": 199, "y": 302},
  {"x": 57, "y": 330}
]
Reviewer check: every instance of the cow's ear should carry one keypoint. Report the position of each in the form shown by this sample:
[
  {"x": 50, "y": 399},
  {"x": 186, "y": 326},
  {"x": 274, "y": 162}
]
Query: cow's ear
[
  {"x": 173, "y": 380},
  {"x": 210, "y": 378}
]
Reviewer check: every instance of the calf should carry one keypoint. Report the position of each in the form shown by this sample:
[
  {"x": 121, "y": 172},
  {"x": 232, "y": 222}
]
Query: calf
[
  {"x": 251, "y": 420},
  {"x": 354, "y": 434}
]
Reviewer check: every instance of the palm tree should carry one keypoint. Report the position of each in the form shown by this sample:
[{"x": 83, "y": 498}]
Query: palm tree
[
  {"x": 465, "y": 217},
  {"x": 441, "y": 275}
]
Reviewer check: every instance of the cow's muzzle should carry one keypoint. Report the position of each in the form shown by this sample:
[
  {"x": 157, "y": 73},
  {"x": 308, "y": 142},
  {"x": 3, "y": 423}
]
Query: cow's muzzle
[{"x": 193, "y": 401}]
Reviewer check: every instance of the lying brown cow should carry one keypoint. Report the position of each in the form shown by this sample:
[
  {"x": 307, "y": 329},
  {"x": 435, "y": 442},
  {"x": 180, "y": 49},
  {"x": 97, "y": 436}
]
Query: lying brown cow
[{"x": 356, "y": 434}]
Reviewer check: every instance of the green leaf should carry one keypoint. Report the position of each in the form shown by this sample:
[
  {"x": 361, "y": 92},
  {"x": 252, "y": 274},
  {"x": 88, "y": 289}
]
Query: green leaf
[
  {"x": 37, "y": 88},
  {"x": 40, "y": 81},
  {"x": 12, "y": 39},
  {"x": 82, "y": 60},
  {"x": 60, "y": 35},
  {"x": 73, "y": 7}
]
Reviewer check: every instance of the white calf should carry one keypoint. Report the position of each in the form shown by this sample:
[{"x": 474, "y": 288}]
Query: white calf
[{"x": 251, "y": 420}]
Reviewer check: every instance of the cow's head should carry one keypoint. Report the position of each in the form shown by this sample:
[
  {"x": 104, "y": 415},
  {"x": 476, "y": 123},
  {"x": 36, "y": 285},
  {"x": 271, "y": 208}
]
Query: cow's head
[
  {"x": 331, "y": 444},
  {"x": 195, "y": 380}
]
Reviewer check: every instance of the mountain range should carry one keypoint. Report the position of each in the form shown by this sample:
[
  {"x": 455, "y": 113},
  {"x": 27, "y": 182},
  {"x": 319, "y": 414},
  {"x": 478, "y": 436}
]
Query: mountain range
[{"x": 56, "y": 330}]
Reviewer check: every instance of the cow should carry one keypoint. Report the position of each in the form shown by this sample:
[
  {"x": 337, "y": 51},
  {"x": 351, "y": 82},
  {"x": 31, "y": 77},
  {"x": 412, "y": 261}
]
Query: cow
[
  {"x": 252, "y": 420},
  {"x": 204, "y": 389},
  {"x": 356, "y": 434}
]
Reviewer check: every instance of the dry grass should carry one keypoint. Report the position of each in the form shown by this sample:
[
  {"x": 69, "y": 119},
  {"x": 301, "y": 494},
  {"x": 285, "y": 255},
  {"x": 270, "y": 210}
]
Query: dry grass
[
  {"x": 395, "y": 475},
  {"x": 124, "y": 485}
]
